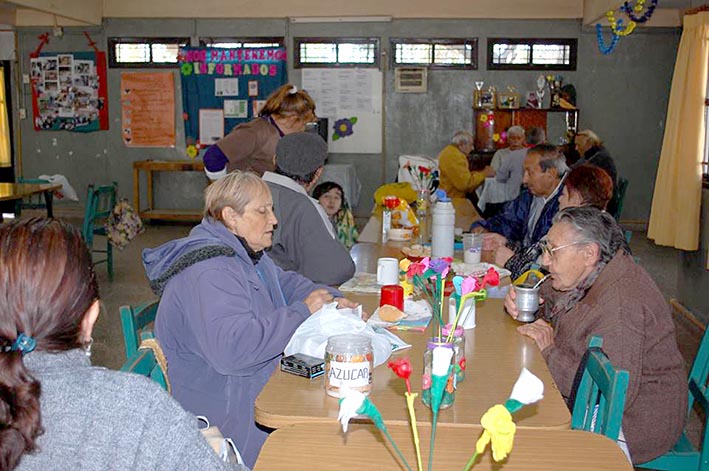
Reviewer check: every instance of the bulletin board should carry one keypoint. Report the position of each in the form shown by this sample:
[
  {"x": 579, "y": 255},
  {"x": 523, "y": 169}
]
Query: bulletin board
[
  {"x": 69, "y": 91},
  {"x": 148, "y": 109},
  {"x": 351, "y": 99},
  {"x": 222, "y": 87}
]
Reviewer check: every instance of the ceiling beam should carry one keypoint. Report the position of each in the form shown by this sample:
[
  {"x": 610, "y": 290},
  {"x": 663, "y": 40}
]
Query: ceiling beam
[{"x": 81, "y": 11}]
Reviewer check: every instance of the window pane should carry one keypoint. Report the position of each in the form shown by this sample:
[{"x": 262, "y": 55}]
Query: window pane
[
  {"x": 165, "y": 52},
  {"x": 413, "y": 53},
  {"x": 551, "y": 54},
  {"x": 318, "y": 53},
  {"x": 453, "y": 54},
  {"x": 132, "y": 52},
  {"x": 511, "y": 53},
  {"x": 357, "y": 53},
  {"x": 258, "y": 45}
]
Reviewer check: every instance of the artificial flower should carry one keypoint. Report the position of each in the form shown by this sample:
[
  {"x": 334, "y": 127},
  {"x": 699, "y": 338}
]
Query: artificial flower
[
  {"x": 440, "y": 266},
  {"x": 496, "y": 137},
  {"x": 492, "y": 278},
  {"x": 402, "y": 369},
  {"x": 441, "y": 361},
  {"x": 343, "y": 128},
  {"x": 483, "y": 118},
  {"x": 469, "y": 285},
  {"x": 528, "y": 388},
  {"x": 408, "y": 288},
  {"x": 192, "y": 151},
  {"x": 415, "y": 269},
  {"x": 404, "y": 264},
  {"x": 351, "y": 401},
  {"x": 499, "y": 429}
]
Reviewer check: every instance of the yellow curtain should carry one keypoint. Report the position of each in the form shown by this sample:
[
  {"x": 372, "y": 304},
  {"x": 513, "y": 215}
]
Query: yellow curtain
[
  {"x": 676, "y": 203},
  {"x": 5, "y": 157}
]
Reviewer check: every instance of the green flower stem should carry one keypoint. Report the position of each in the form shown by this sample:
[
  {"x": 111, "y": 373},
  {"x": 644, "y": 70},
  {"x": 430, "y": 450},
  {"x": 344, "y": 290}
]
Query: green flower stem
[
  {"x": 471, "y": 461},
  {"x": 438, "y": 383},
  {"x": 513, "y": 405},
  {"x": 370, "y": 410}
]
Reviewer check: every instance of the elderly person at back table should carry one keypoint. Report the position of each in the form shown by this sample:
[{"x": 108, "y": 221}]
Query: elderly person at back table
[
  {"x": 586, "y": 185},
  {"x": 251, "y": 145},
  {"x": 592, "y": 151},
  {"x": 227, "y": 311},
  {"x": 535, "y": 136},
  {"x": 509, "y": 171},
  {"x": 456, "y": 178},
  {"x": 304, "y": 240},
  {"x": 526, "y": 219},
  {"x": 596, "y": 288}
]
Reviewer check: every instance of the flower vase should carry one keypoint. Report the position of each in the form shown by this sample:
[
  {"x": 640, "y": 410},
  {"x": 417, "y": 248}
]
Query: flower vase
[{"x": 449, "y": 391}]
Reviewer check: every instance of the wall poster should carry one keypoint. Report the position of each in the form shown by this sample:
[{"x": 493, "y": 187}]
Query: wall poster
[
  {"x": 69, "y": 91},
  {"x": 234, "y": 80},
  {"x": 351, "y": 99},
  {"x": 148, "y": 109}
]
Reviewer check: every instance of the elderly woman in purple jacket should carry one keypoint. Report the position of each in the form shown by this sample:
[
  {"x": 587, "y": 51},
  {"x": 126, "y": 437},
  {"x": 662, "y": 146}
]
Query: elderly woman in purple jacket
[{"x": 227, "y": 311}]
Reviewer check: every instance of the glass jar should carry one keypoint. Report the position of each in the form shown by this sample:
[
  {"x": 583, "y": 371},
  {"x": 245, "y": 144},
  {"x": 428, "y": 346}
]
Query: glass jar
[
  {"x": 449, "y": 389},
  {"x": 459, "y": 348},
  {"x": 349, "y": 363}
]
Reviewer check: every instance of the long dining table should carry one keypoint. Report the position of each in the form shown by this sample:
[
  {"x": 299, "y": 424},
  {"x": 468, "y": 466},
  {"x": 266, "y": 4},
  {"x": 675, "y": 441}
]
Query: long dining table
[
  {"x": 495, "y": 354},
  {"x": 364, "y": 448}
]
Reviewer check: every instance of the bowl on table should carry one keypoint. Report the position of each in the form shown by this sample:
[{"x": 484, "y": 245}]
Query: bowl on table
[{"x": 400, "y": 234}]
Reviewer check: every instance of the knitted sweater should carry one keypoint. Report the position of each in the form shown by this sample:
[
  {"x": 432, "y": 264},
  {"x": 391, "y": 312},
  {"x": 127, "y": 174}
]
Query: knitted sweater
[
  {"x": 98, "y": 419},
  {"x": 625, "y": 307}
]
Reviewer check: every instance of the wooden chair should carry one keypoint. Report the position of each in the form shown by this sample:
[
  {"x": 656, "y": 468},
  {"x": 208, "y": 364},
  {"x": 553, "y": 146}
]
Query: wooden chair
[
  {"x": 100, "y": 202},
  {"x": 684, "y": 456},
  {"x": 134, "y": 320},
  {"x": 149, "y": 361},
  {"x": 600, "y": 397},
  {"x": 30, "y": 202}
]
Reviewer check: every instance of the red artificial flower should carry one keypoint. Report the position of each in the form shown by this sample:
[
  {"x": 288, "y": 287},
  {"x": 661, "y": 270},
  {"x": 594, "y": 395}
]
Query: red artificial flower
[
  {"x": 415, "y": 269},
  {"x": 462, "y": 363},
  {"x": 424, "y": 170},
  {"x": 491, "y": 278},
  {"x": 402, "y": 368}
]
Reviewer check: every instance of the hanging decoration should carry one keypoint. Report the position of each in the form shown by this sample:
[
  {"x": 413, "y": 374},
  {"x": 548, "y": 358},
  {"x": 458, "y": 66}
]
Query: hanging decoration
[
  {"x": 617, "y": 26},
  {"x": 605, "y": 50},
  {"x": 640, "y": 6}
]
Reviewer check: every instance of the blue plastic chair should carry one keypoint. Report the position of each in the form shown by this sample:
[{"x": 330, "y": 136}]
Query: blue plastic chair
[
  {"x": 145, "y": 361},
  {"x": 100, "y": 202},
  {"x": 600, "y": 398},
  {"x": 134, "y": 321},
  {"x": 684, "y": 456},
  {"x": 33, "y": 201}
]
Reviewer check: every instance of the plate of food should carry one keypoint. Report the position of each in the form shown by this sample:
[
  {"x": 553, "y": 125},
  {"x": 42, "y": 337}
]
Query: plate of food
[
  {"x": 477, "y": 269},
  {"x": 416, "y": 252}
]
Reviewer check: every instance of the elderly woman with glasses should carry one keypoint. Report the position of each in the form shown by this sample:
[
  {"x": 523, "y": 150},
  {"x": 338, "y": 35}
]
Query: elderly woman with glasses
[{"x": 596, "y": 288}]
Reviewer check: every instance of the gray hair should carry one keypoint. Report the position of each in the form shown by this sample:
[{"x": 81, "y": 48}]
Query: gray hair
[
  {"x": 462, "y": 137},
  {"x": 550, "y": 157},
  {"x": 516, "y": 130},
  {"x": 536, "y": 136},
  {"x": 597, "y": 227},
  {"x": 235, "y": 191}
]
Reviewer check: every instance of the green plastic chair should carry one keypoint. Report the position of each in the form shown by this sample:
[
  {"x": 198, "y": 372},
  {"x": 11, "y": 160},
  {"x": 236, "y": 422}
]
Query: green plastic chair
[
  {"x": 684, "y": 456},
  {"x": 100, "y": 202},
  {"x": 145, "y": 362},
  {"x": 33, "y": 201},
  {"x": 134, "y": 321},
  {"x": 600, "y": 398},
  {"x": 618, "y": 198}
]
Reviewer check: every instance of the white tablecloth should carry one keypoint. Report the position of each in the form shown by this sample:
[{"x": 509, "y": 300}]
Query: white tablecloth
[{"x": 346, "y": 176}]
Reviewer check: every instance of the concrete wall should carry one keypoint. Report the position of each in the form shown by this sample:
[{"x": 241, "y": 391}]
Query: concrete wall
[
  {"x": 693, "y": 278},
  {"x": 622, "y": 96}
]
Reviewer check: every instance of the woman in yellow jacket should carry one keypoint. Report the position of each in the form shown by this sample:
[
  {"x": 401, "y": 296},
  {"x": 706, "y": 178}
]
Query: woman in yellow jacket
[{"x": 455, "y": 175}]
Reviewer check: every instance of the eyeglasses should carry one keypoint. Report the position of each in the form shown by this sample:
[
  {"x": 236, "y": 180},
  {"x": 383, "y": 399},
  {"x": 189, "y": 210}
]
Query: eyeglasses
[{"x": 547, "y": 249}]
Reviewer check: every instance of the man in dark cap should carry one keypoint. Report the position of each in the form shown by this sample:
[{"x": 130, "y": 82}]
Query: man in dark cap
[{"x": 304, "y": 240}]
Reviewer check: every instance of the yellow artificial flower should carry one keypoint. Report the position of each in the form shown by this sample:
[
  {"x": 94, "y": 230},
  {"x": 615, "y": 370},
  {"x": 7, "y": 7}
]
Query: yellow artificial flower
[
  {"x": 483, "y": 118},
  {"x": 192, "y": 151},
  {"x": 499, "y": 429},
  {"x": 404, "y": 264},
  {"x": 496, "y": 137},
  {"x": 408, "y": 288}
]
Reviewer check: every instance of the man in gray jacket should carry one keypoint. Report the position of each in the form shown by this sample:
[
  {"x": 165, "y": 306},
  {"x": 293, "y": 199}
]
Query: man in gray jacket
[{"x": 304, "y": 240}]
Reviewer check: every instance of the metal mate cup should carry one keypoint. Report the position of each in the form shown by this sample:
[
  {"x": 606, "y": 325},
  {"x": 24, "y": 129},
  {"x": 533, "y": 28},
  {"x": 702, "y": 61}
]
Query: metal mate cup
[{"x": 527, "y": 302}]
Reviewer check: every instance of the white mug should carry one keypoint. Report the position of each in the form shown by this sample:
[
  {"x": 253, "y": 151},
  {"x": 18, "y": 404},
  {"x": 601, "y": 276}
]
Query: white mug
[{"x": 387, "y": 271}]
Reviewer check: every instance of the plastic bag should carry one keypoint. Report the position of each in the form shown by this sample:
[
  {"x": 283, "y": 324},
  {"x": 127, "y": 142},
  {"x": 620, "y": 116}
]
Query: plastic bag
[
  {"x": 311, "y": 337},
  {"x": 67, "y": 191}
]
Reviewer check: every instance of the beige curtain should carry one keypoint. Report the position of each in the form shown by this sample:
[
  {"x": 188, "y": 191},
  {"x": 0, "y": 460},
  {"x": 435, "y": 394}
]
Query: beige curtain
[
  {"x": 676, "y": 203},
  {"x": 5, "y": 158}
]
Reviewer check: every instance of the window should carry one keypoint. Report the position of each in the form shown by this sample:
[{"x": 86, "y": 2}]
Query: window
[
  {"x": 705, "y": 160},
  {"x": 241, "y": 42},
  {"x": 531, "y": 54},
  {"x": 144, "y": 52},
  {"x": 336, "y": 52},
  {"x": 436, "y": 53}
]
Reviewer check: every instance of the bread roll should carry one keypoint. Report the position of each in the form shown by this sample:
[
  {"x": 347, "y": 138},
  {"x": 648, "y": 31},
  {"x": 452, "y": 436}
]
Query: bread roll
[{"x": 389, "y": 313}]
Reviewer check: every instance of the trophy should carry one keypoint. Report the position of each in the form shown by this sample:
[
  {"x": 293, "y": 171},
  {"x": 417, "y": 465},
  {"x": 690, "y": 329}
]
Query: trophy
[
  {"x": 477, "y": 95},
  {"x": 554, "y": 82},
  {"x": 541, "y": 83}
]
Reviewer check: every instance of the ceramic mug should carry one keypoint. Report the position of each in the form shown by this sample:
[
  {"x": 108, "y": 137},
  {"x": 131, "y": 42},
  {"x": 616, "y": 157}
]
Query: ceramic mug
[{"x": 387, "y": 271}]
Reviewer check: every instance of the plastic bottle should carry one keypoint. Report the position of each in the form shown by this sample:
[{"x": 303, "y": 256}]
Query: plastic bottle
[{"x": 443, "y": 231}]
